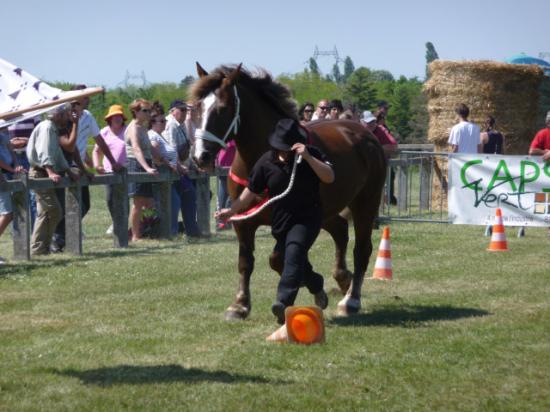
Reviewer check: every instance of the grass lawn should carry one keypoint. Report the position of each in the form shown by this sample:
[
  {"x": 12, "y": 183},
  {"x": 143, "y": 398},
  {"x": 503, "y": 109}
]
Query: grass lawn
[{"x": 142, "y": 328}]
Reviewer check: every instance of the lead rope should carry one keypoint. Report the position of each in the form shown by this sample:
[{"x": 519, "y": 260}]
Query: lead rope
[{"x": 238, "y": 218}]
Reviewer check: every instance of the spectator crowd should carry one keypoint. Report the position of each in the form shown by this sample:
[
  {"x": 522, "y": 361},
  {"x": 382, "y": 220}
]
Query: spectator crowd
[{"x": 58, "y": 146}]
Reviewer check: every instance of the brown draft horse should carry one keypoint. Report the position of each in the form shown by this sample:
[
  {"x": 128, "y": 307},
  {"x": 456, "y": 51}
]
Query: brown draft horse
[{"x": 237, "y": 105}]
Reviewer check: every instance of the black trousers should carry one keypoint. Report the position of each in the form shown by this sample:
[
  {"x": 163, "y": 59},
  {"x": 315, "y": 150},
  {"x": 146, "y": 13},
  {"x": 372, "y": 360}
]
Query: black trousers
[
  {"x": 294, "y": 246},
  {"x": 59, "y": 234}
]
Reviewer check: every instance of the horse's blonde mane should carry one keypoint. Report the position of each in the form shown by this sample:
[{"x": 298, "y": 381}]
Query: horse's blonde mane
[{"x": 262, "y": 82}]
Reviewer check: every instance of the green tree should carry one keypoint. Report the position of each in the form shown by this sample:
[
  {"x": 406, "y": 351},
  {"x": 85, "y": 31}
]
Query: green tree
[
  {"x": 401, "y": 111},
  {"x": 308, "y": 87},
  {"x": 336, "y": 75},
  {"x": 431, "y": 55},
  {"x": 359, "y": 89},
  {"x": 313, "y": 66},
  {"x": 419, "y": 120},
  {"x": 186, "y": 81},
  {"x": 349, "y": 68},
  {"x": 381, "y": 75}
]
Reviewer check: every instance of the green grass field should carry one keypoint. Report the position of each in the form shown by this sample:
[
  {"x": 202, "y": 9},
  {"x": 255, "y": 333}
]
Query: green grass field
[{"x": 458, "y": 328}]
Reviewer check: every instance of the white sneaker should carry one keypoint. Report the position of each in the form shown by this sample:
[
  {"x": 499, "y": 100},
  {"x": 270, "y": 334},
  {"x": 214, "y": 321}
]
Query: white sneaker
[
  {"x": 3, "y": 261},
  {"x": 109, "y": 231}
]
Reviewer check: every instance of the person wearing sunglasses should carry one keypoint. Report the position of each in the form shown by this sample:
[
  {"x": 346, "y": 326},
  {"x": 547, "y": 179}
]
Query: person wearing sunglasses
[
  {"x": 322, "y": 110},
  {"x": 140, "y": 159},
  {"x": 306, "y": 113}
]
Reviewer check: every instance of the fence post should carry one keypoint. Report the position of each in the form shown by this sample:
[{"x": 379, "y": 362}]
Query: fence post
[
  {"x": 203, "y": 203},
  {"x": 73, "y": 219},
  {"x": 165, "y": 194},
  {"x": 22, "y": 221},
  {"x": 403, "y": 186},
  {"x": 425, "y": 183},
  {"x": 120, "y": 212}
]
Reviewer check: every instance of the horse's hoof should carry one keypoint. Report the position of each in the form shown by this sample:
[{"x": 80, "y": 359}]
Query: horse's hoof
[
  {"x": 343, "y": 279},
  {"x": 236, "y": 312},
  {"x": 348, "y": 306}
]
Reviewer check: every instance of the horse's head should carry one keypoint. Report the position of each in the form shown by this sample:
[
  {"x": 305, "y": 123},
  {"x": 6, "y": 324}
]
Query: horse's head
[{"x": 220, "y": 113}]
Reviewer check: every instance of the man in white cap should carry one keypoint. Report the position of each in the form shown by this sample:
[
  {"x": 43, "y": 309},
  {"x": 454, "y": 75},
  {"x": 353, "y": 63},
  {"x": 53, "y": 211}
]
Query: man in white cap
[
  {"x": 47, "y": 160},
  {"x": 388, "y": 142}
]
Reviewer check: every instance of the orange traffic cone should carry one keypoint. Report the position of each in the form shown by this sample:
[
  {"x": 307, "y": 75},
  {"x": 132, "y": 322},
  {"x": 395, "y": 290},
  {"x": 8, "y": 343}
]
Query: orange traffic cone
[
  {"x": 382, "y": 267},
  {"x": 303, "y": 324},
  {"x": 498, "y": 238},
  {"x": 280, "y": 335}
]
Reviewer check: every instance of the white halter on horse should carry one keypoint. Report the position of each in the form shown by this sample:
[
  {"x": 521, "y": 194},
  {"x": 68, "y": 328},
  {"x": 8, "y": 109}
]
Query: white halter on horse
[{"x": 203, "y": 134}]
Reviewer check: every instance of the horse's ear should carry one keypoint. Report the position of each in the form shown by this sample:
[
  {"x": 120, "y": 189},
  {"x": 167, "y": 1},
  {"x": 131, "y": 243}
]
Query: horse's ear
[
  {"x": 200, "y": 71},
  {"x": 234, "y": 74}
]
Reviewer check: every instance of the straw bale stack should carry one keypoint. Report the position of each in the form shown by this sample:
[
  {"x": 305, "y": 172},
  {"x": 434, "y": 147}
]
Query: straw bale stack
[
  {"x": 544, "y": 103},
  {"x": 509, "y": 92}
]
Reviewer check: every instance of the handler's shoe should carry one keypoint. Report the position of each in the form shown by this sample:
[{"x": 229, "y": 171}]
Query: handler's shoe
[
  {"x": 321, "y": 299},
  {"x": 278, "y": 309}
]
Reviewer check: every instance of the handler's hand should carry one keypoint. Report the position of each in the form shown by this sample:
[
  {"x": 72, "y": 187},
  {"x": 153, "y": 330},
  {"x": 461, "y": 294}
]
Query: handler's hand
[
  {"x": 223, "y": 214},
  {"x": 301, "y": 150},
  {"x": 546, "y": 156}
]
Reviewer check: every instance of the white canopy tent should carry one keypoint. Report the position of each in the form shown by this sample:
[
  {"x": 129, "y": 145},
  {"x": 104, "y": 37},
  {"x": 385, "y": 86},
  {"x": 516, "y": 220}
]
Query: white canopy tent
[{"x": 23, "y": 95}]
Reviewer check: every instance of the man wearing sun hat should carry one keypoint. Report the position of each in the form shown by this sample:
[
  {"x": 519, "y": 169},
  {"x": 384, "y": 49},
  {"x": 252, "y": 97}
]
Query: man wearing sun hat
[{"x": 47, "y": 160}]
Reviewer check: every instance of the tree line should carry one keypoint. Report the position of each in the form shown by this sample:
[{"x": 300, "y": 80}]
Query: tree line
[{"x": 360, "y": 87}]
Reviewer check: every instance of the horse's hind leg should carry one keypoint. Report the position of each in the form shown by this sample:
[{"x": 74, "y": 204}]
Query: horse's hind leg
[
  {"x": 240, "y": 309},
  {"x": 338, "y": 229},
  {"x": 364, "y": 210}
]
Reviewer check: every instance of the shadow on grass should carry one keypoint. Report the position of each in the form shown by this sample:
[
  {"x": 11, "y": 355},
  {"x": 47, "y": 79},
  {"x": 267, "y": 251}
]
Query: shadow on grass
[
  {"x": 138, "y": 375},
  {"x": 408, "y": 316}
]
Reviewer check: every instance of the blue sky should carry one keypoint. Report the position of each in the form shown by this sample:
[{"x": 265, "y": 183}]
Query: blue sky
[{"x": 96, "y": 42}]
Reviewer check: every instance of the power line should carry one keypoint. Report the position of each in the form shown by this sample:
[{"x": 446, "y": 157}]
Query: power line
[
  {"x": 333, "y": 52},
  {"x": 127, "y": 81}
]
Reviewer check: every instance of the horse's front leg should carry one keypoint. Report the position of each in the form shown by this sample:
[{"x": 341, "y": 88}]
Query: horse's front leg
[{"x": 240, "y": 309}]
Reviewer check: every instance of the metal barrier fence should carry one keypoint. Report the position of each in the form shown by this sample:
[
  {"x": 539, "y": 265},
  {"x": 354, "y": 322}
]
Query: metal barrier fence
[
  {"x": 420, "y": 186},
  {"x": 21, "y": 186},
  {"x": 420, "y": 192}
]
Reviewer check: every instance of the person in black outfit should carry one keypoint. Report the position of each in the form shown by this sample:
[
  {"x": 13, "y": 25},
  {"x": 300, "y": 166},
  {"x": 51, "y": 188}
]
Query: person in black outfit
[
  {"x": 492, "y": 140},
  {"x": 296, "y": 218}
]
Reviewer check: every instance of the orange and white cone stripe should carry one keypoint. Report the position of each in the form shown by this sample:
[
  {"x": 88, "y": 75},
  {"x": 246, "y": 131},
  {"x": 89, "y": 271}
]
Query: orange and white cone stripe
[
  {"x": 280, "y": 335},
  {"x": 498, "y": 238},
  {"x": 383, "y": 265}
]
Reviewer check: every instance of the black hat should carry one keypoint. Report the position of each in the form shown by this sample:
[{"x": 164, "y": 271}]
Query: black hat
[
  {"x": 285, "y": 135},
  {"x": 383, "y": 103},
  {"x": 178, "y": 104}
]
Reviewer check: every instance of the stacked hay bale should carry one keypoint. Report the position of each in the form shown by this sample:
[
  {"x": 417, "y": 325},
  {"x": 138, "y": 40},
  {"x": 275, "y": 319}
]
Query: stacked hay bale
[
  {"x": 544, "y": 102},
  {"x": 509, "y": 92}
]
